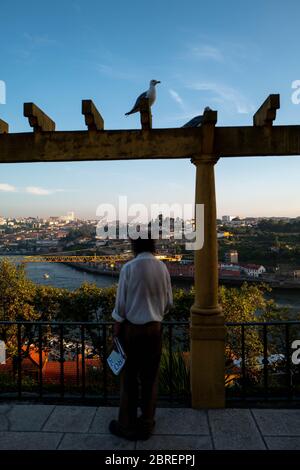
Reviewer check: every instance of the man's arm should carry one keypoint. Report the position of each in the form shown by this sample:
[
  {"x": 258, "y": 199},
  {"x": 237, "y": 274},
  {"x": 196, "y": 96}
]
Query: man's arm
[{"x": 169, "y": 302}]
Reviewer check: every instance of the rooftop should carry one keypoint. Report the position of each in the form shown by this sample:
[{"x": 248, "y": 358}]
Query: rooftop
[{"x": 38, "y": 426}]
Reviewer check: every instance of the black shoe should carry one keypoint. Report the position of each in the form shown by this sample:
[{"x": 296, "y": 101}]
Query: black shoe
[
  {"x": 143, "y": 435},
  {"x": 115, "y": 428},
  {"x": 144, "y": 429}
]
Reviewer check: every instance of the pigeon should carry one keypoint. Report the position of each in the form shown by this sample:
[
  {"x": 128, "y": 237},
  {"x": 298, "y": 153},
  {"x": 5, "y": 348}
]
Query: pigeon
[
  {"x": 197, "y": 120},
  {"x": 151, "y": 94}
]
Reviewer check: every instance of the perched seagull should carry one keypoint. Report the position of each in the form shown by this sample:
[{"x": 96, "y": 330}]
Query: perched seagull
[
  {"x": 197, "y": 120},
  {"x": 151, "y": 94}
]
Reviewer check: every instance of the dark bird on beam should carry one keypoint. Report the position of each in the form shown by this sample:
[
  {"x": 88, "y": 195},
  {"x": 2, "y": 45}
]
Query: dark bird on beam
[{"x": 197, "y": 120}]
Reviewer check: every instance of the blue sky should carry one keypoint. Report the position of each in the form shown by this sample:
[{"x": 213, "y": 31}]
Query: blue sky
[{"x": 226, "y": 55}]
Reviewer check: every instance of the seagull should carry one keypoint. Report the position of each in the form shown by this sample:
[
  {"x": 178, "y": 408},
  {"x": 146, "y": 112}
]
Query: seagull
[
  {"x": 151, "y": 94},
  {"x": 197, "y": 120}
]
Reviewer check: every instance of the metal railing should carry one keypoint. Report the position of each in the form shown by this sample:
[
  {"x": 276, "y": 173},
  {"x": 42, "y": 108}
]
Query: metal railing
[
  {"x": 66, "y": 361},
  {"x": 259, "y": 364}
]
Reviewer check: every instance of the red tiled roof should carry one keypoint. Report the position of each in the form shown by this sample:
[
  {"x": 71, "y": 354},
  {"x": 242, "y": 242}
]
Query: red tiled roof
[
  {"x": 34, "y": 355},
  {"x": 252, "y": 266}
]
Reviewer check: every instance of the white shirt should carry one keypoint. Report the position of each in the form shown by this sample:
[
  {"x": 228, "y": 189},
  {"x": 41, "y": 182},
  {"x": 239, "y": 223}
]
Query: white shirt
[{"x": 144, "y": 292}]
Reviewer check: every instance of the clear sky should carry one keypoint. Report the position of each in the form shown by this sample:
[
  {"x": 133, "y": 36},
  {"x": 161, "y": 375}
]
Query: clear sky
[{"x": 228, "y": 55}]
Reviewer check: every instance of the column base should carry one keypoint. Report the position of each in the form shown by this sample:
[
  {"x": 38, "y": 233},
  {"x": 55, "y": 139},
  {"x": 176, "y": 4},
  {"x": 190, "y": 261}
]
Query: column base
[{"x": 207, "y": 358}]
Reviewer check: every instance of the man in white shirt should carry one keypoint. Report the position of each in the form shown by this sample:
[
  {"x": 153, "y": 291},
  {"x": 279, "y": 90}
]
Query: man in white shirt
[{"x": 144, "y": 295}]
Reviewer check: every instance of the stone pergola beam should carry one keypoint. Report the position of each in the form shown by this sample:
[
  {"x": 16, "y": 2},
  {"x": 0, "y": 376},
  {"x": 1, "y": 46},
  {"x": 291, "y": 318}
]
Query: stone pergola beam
[
  {"x": 152, "y": 144},
  {"x": 104, "y": 145},
  {"x": 37, "y": 118},
  {"x": 4, "y": 128},
  {"x": 266, "y": 114},
  {"x": 93, "y": 118},
  {"x": 257, "y": 141}
]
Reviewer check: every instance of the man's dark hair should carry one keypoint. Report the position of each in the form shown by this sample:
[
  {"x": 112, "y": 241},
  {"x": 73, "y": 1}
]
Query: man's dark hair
[{"x": 141, "y": 245}]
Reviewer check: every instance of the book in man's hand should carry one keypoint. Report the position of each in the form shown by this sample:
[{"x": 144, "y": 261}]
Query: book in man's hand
[{"x": 117, "y": 357}]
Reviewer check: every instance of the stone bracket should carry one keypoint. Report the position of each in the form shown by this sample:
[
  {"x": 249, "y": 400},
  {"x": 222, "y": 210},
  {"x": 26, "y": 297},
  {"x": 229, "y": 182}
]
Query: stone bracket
[
  {"x": 93, "y": 118},
  {"x": 4, "y": 127},
  {"x": 37, "y": 118},
  {"x": 266, "y": 114},
  {"x": 145, "y": 112},
  {"x": 208, "y": 125}
]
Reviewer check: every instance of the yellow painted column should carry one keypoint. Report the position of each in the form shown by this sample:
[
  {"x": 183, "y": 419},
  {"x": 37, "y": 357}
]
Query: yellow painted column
[{"x": 207, "y": 321}]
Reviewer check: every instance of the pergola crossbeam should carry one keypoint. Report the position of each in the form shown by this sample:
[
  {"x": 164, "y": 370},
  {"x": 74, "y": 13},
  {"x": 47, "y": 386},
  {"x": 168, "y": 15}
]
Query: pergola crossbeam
[
  {"x": 152, "y": 144},
  {"x": 37, "y": 118},
  {"x": 104, "y": 145},
  {"x": 93, "y": 118},
  {"x": 257, "y": 141}
]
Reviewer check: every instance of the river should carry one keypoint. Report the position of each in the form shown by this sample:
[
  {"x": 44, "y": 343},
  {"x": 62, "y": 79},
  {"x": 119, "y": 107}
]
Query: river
[{"x": 61, "y": 275}]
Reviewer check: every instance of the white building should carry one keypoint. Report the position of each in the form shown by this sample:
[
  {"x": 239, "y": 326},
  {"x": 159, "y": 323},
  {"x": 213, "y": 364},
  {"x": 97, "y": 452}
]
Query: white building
[
  {"x": 232, "y": 256},
  {"x": 253, "y": 270},
  {"x": 70, "y": 217},
  {"x": 227, "y": 218}
]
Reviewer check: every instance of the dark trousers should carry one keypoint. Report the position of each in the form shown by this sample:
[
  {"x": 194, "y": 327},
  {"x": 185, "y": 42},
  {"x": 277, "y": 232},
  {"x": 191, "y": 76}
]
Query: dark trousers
[{"x": 142, "y": 345}]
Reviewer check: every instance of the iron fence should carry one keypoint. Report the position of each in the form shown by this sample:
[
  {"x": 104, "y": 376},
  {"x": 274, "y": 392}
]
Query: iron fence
[
  {"x": 259, "y": 365},
  {"x": 66, "y": 361}
]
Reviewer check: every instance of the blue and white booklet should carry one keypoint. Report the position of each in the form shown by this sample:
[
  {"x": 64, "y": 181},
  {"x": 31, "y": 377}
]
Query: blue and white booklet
[{"x": 117, "y": 358}]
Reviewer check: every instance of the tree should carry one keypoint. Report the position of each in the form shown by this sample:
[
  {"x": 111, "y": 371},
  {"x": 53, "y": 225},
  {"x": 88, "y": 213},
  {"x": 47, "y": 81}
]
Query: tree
[{"x": 16, "y": 301}]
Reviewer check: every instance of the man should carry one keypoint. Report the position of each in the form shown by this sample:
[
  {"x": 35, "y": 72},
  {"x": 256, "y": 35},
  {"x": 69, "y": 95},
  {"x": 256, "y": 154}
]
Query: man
[{"x": 144, "y": 295}]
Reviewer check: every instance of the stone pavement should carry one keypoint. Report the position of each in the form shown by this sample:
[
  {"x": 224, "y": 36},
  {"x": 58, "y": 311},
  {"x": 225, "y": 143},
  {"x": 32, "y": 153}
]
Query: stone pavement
[{"x": 34, "y": 426}]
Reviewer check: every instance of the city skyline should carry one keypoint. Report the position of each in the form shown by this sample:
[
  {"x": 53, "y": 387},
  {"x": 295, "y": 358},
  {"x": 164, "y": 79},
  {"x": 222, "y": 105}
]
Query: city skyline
[
  {"x": 223, "y": 55},
  {"x": 63, "y": 217}
]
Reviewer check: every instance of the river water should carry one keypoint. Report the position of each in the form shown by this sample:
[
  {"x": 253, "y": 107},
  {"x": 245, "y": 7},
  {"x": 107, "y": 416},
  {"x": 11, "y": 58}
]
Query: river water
[{"x": 61, "y": 275}]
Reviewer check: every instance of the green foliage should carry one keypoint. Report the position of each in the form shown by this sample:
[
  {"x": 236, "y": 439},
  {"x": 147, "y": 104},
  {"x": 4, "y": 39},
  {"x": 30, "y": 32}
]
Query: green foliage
[
  {"x": 246, "y": 303},
  {"x": 8, "y": 382},
  {"x": 177, "y": 381},
  {"x": 21, "y": 299},
  {"x": 16, "y": 293},
  {"x": 50, "y": 301},
  {"x": 16, "y": 301},
  {"x": 183, "y": 300},
  {"x": 254, "y": 243},
  {"x": 280, "y": 226}
]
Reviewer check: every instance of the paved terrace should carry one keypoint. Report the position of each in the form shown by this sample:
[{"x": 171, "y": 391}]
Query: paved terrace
[{"x": 32, "y": 426}]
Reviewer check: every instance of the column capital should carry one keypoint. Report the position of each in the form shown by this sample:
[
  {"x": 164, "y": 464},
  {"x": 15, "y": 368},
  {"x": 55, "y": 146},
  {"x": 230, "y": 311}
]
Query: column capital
[{"x": 204, "y": 158}]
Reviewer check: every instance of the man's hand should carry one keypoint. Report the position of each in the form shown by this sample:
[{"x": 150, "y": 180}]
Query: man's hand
[{"x": 117, "y": 328}]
